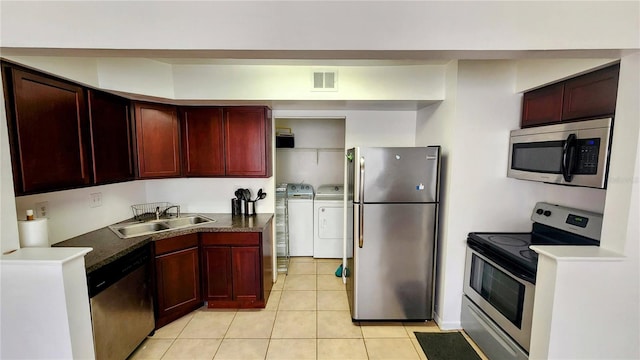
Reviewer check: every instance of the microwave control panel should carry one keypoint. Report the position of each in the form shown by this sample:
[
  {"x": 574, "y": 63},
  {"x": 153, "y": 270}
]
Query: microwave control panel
[{"x": 588, "y": 152}]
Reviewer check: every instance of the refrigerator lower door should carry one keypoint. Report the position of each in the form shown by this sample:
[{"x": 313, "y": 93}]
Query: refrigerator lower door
[{"x": 392, "y": 264}]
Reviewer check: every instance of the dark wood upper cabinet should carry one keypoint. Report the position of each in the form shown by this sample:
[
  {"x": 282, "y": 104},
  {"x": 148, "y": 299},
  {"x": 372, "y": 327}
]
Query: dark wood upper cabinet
[
  {"x": 590, "y": 95},
  {"x": 157, "y": 140},
  {"x": 586, "y": 96},
  {"x": 110, "y": 126},
  {"x": 202, "y": 141},
  {"x": 47, "y": 121},
  {"x": 248, "y": 141},
  {"x": 542, "y": 106},
  {"x": 63, "y": 135}
]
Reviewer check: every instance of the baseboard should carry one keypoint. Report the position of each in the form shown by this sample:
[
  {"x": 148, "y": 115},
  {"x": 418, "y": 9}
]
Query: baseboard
[{"x": 449, "y": 325}]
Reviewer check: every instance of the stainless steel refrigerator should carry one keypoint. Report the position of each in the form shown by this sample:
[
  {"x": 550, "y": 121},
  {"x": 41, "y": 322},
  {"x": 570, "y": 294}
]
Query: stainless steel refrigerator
[{"x": 393, "y": 194}]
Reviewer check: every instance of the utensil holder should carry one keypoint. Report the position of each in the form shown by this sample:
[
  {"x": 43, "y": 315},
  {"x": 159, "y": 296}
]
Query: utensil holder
[{"x": 249, "y": 208}]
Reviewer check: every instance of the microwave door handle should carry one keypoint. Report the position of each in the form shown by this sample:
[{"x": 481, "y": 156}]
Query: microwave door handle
[{"x": 569, "y": 157}]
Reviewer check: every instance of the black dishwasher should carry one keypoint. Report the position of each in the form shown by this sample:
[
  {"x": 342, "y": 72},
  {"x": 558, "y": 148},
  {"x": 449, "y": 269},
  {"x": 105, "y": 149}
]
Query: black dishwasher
[{"x": 121, "y": 304}]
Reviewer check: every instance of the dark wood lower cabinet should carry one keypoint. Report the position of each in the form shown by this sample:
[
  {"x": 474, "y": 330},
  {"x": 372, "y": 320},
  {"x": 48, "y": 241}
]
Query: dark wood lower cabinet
[
  {"x": 177, "y": 273},
  {"x": 217, "y": 273},
  {"x": 236, "y": 269},
  {"x": 231, "y": 277},
  {"x": 225, "y": 269},
  {"x": 246, "y": 274}
]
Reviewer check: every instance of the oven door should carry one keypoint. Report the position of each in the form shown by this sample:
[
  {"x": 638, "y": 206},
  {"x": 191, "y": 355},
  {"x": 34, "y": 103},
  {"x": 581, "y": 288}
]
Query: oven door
[
  {"x": 571, "y": 154},
  {"x": 505, "y": 298}
]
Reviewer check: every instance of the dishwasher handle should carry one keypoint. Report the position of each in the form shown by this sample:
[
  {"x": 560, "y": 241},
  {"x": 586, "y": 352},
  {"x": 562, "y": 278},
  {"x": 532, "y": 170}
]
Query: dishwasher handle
[{"x": 101, "y": 278}]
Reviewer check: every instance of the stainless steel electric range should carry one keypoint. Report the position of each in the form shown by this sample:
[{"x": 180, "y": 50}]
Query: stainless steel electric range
[{"x": 500, "y": 277}]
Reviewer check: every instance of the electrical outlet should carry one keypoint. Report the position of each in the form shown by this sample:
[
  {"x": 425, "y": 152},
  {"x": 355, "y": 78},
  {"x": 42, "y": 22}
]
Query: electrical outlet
[
  {"x": 95, "y": 200},
  {"x": 42, "y": 209}
]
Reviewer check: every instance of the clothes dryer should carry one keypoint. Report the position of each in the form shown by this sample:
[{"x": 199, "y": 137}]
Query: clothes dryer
[{"x": 328, "y": 216}]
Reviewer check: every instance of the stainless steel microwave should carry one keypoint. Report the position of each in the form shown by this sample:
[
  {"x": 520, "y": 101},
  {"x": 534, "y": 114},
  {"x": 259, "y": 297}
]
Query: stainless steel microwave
[{"x": 575, "y": 153}]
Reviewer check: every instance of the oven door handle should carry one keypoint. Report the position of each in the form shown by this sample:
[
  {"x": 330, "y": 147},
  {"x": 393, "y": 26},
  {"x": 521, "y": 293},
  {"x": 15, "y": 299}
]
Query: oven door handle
[
  {"x": 510, "y": 269},
  {"x": 569, "y": 157}
]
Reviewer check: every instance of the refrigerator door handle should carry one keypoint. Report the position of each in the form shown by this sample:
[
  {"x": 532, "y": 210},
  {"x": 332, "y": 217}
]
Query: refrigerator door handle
[
  {"x": 361, "y": 238},
  {"x": 361, "y": 191}
]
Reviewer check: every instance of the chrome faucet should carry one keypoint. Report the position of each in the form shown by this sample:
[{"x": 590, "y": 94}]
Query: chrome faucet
[
  {"x": 158, "y": 212},
  {"x": 164, "y": 212}
]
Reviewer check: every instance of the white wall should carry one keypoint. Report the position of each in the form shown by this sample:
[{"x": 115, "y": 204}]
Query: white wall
[
  {"x": 137, "y": 76},
  {"x": 321, "y": 25},
  {"x": 80, "y": 69},
  {"x": 366, "y": 127},
  {"x": 9, "y": 224},
  {"x": 287, "y": 82},
  {"x": 318, "y": 156},
  {"x": 621, "y": 168},
  {"x": 70, "y": 214},
  {"x": 534, "y": 73},
  {"x": 209, "y": 195},
  {"x": 435, "y": 126}
]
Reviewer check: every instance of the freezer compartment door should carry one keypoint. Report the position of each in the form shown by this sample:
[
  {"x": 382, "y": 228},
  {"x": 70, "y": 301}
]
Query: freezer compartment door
[
  {"x": 397, "y": 175},
  {"x": 393, "y": 262}
]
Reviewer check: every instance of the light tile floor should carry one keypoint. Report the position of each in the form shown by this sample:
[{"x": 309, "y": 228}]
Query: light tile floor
[{"x": 306, "y": 317}]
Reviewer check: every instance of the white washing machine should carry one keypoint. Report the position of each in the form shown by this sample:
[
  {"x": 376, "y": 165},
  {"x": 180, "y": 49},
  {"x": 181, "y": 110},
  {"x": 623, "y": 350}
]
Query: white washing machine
[
  {"x": 328, "y": 215},
  {"x": 300, "y": 209}
]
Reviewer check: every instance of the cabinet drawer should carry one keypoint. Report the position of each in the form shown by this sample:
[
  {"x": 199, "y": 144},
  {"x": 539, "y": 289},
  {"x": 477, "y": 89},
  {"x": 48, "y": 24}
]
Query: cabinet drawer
[
  {"x": 237, "y": 238},
  {"x": 176, "y": 243}
]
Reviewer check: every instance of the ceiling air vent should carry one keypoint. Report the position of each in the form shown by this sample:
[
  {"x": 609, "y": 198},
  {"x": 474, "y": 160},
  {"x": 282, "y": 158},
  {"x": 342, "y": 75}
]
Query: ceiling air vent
[{"x": 324, "y": 80}]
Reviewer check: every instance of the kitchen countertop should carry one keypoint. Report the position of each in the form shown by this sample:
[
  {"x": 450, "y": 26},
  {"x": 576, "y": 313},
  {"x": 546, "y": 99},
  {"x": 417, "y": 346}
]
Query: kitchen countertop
[{"x": 107, "y": 246}]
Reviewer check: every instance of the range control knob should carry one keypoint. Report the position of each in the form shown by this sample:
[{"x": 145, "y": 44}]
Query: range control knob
[
  {"x": 547, "y": 213},
  {"x": 539, "y": 211}
]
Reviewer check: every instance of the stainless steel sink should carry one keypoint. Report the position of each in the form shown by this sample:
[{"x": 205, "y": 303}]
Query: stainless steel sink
[
  {"x": 131, "y": 229},
  {"x": 186, "y": 221}
]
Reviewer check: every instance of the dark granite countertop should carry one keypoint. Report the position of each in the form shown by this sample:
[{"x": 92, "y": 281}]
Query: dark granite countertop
[{"x": 107, "y": 246}]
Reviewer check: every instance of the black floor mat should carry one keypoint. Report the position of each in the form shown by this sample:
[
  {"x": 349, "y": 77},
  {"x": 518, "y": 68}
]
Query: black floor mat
[{"x": 446, "y": 346}]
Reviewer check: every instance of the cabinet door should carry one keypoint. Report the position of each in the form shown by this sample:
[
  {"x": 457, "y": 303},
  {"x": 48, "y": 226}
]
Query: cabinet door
[
  {"x": 246, "y": 273},
  {"x": 177, "y": 284},
  {"x": 50, "y": 133},
  {"x": 217, "y": 273},
  {"x": 590, "y": 95},
  {"x": 247, "y": 142},
  {"x": 110, "y": 137},
  {"x": 157, "y": 135},
  {"x": 542, "y": 106},
  {"x": 202, "y": 141}
]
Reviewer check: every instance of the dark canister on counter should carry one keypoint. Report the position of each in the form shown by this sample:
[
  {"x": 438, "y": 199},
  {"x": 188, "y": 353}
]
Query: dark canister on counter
[{"x": 236, "y": 208}]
